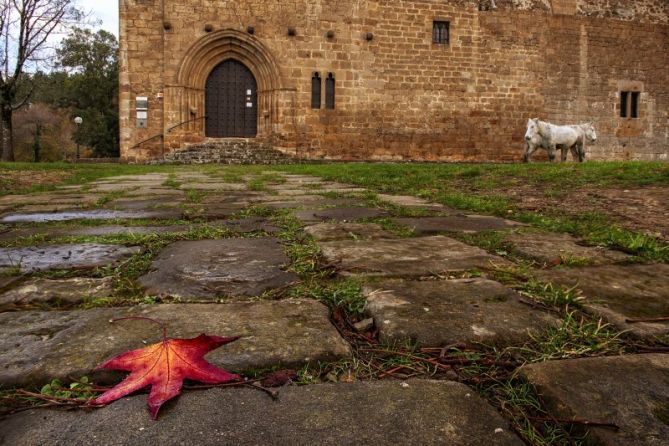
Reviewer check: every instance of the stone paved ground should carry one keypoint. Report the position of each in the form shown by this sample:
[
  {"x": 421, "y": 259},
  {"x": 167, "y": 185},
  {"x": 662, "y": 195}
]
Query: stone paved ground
[{"x": 352, "y": 290}]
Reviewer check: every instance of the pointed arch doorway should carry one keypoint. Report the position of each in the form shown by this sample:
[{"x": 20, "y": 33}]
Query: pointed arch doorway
[{"x": 231, "y": 101}]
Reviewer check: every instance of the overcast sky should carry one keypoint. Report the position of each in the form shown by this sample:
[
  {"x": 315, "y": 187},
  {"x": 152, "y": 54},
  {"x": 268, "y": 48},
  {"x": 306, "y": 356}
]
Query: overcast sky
[{"x": 105, "y": 10}]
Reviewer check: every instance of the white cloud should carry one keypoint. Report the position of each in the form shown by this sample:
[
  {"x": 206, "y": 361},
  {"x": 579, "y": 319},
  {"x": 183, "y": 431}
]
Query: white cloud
[{"x": 104, "y": 10}]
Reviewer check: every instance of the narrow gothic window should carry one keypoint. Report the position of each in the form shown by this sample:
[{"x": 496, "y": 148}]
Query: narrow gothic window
[
  {"x": 316, "y": 91},
  {"x": 440, "y": 32},
  {"x": 330, "y": 91},
  {"x": 623, "y": 103},
  {"x": 629, "y": 104},
  {"x": 634, "y": 105}
]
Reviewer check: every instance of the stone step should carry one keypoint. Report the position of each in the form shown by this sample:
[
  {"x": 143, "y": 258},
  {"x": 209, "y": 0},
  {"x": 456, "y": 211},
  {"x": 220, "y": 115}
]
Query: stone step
[
  {"x": 362, "y": 413},
  {"x": 229, "y": 151}
]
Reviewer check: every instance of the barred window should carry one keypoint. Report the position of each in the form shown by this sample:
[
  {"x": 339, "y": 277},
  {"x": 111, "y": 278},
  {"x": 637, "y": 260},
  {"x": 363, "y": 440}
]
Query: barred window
[
  {"x": 316, "y": 90},
  {"x": 629, "y": 104},
  {"x": 330, "y": 91},
  {"x": 440, "y": 32}
]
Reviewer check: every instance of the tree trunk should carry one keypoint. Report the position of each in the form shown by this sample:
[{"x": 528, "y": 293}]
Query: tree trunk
[{"x": 7, "y": 135}]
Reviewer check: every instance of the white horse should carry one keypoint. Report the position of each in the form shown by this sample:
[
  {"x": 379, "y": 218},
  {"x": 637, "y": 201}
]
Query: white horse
[{"x": 566, "y": 137}]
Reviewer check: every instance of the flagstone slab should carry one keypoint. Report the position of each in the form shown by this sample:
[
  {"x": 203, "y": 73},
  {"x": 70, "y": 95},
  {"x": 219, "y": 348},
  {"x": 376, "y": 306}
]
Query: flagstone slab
[
  {"x": 151, "y": 204},
  {"x": 98, "y": 214},
  {"x": 631, "y": 392},
  {"x": 75, "y": 256},
  {"x": 48, "y": 208},
  {"x": 36, "y": 347},
  {"x": 218, "y": 268},
  {"x": 66, "y": 291},
  {"x": 327, "y": 232},
  {"x": 363, "y": 413},
  {"x": 407, "y": 257},
  {"x": 339, "y": 214},
  {"x": 553, "y": 249},
  {"x": 52, "y": 198},
  {"x": 160, "y": 191},
  {"x": 213, "y": 211},
  {"x": 414, "y": 202},
  {"x": 438, "y": 313},
  {"x": 142, "y": 177},
  {"x": 214, "y": 186},
  {"x": 456, "y": 223},
  {"x": 621, "y": 292}
]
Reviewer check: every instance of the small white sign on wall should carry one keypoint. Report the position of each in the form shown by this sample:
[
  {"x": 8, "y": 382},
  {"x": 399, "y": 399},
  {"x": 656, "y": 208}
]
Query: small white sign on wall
[
  {"x": 249, "y": 105},
  {"x": 249, "y": 92},
  {"x": 142, "y": 114}
]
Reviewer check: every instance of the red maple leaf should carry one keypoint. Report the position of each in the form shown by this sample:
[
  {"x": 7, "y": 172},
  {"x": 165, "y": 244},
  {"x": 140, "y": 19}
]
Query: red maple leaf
[{"x": 164, "y": 366}]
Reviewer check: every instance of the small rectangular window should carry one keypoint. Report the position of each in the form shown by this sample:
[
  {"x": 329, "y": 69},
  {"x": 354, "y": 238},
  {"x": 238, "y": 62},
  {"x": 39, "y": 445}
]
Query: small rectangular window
[
  {"x": 316, "y": 91},
  {"x": 440, "y": 32},
  {"x": 330, "y": 91},
  {"x": 623, "y": 103},
  {"x": 635, "y": 105},
  {"x": 629, "y": 104}
]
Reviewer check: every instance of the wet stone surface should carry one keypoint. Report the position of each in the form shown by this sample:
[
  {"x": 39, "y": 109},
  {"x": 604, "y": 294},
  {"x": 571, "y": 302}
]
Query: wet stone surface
[
  {"x": 418, "y": 413},
  {"x": 339, "y": 214},
  {"x": 456, "y": 223},
  {"x": 90, "y": 215},
  {"x": 631, "y": 392},
  {"x": 408, "y": 257},
  {"x": 621, "y": 292},
  {"x": 66, "y": 291},
  {"x": 36, "y": 347},
  {"x": 81, "y": 256},
  {"x": 553, "y": 249},
  {"x": 327, "y": 232},
  {"x": 218, "y": 268},
  {"x": 438, "y": 313}
]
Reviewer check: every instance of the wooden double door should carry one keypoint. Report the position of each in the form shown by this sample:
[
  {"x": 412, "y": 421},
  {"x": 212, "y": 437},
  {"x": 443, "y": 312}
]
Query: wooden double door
[{"x": 231, "y": 102}]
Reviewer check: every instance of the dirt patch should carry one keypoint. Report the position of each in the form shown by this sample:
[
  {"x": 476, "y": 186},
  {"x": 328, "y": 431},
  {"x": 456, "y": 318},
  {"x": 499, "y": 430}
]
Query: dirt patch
[
  {"x": 642, "y": 209},
  {"x": 12, "y": 181}
]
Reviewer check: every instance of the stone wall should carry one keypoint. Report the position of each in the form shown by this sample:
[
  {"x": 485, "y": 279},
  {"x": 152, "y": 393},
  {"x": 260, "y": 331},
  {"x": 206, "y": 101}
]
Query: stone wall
[{"x": 398, "y": 95}]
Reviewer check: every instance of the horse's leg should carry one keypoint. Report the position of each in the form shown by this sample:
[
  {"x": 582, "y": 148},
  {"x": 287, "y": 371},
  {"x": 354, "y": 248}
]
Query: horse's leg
[
  {"x": 581, "y": 152},
  {"x": 564, "y": 149},
  {"x": 529, "y": 150},
  {"x": 551, "y": 153}
]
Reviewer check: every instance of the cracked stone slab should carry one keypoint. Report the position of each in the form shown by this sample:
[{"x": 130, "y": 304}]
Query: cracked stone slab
[
  {"x": 327, "y": 232},
  {"x": 437, "y": 313},
  {"x": 36, "y": 347},
  {"x": 75, "y": 256},
  {"x": 66, "y": 291},
  {"x": 631, "y": 392},
  {"x": 553, "y": 249},
  {"x": 417, "y": 412},
  {"x": 456, "y": 223},
  {"x": 100, "y": 214},
  {"x": 339, "y": 214},
  {"x": 621, "y": 292},
  {"x": 407, "y": 257},
  {"x": 218, "y": 268}
]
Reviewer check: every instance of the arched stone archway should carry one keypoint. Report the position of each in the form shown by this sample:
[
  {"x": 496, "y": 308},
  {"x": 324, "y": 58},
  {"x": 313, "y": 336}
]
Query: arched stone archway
[{"x": 185, "y": 99}]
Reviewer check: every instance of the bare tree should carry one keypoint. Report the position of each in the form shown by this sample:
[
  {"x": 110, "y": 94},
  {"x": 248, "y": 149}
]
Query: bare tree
[{"x": 27, "y": 28}]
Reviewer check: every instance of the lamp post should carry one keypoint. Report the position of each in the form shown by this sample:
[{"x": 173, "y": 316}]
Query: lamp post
[{"x": 78, "y": 120}]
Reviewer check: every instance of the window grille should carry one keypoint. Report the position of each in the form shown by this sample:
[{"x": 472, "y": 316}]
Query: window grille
[
  {"x": 330, "y": 91},
  {"x": 440, "y": 32}
]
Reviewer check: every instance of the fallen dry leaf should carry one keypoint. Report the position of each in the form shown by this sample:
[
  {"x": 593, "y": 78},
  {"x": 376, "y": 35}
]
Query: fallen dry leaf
[{"x": 164, "y": 366}]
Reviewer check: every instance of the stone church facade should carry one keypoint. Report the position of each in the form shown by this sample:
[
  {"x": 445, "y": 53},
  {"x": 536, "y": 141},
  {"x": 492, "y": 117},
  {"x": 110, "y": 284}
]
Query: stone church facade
[{"x": 430, "y": 80}]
